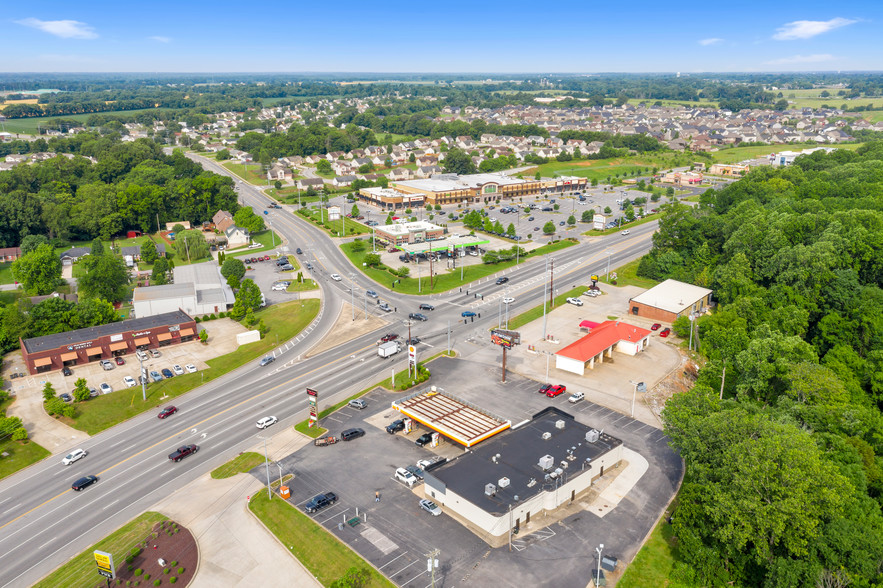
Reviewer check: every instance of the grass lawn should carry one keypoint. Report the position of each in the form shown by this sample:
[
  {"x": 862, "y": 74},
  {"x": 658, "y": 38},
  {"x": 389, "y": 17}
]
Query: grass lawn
[
  {"x": 242, "y": 463},
  {"x": 627, "y": 275},
  {"x": 267, "y": 238},
  {"x": 21, "y": 453},
  {"x": 80, "y": 571},
  {"x": 250, "y": 173},
  {"x": 736, "y": 154},
  {"x": 6, "y": 273},
  {"x": 536, "y": 312},
  {"x": 304, "y": 286},
  {"x": 594, "y": 169},
  {"x": 687, "y": 103},
  {"x": 655, "y": 562},
  {"x": 284, "y": 320},
  {"x": 351, "y": 226},
  {"x": 320, "y": 552},
  {"x": 448, "y": 280},
  {"x": 9, "y": 296},
  {"x": 29, "y": 125},
  {"x": 646, "y": 219}
]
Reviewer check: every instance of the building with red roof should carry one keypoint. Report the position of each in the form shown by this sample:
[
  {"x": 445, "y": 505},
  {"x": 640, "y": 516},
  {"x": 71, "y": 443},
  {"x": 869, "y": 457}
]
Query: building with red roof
[{"x": 603, "y": 340}]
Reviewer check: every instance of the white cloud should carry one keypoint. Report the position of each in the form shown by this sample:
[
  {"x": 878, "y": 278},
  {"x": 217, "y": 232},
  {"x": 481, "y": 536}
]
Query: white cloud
[
  {"x": 819, "y": 58},
  {"x": 712, "y": 41},
  {"x": 160, "y": 39},
  {"x": 806, "y": 29},
  {"x": 66, "y": 29}
]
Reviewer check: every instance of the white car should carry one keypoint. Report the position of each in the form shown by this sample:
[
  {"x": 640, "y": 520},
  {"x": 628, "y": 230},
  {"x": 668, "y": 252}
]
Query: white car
[
  {"x": 430, "y": 507},
  {"x": 424, "y": 463},
  {"x": 576, "y": 397},
  {"x": 266, "y": 422},
  {"x": 105, "y": 388},
  {"x": 73, "y": 456},
  {"x": 336, "y": 277},
  {"x": 575, "y": 301},
  {"x": 279, "y": 287},
  {"x": 625, "y": 232},
  {"x": 179, "y": 371},
  {"x": 403, "y": 475},
  {"x": 191, "y": 369},
  {"x": 508, "y": 300},
  {"x": 130, "y": 382}
]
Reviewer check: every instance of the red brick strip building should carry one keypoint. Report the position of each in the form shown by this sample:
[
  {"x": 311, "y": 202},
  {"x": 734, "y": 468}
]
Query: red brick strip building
[{"x": 52, "y": 352}]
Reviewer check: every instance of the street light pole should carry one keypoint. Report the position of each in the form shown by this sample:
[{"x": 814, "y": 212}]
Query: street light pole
[
  {"x": 634, "y": 396},
  {"x": 598, "y": 574},
  {"x": 267, "y": 463},
  {"x": 545, "y": 288},
  {"x": 142, "y": 378}
]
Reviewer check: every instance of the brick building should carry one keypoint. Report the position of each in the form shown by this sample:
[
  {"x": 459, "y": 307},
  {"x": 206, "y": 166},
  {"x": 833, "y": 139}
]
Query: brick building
[{"x": 667, "y": 301}]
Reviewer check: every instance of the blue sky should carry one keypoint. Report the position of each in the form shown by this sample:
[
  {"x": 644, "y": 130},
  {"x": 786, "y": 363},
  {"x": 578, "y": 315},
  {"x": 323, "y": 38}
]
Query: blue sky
[{"x": 452, "y": 36}]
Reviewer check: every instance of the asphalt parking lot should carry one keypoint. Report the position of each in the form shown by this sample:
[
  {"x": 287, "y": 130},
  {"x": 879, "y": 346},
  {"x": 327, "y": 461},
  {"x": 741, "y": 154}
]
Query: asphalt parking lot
[
  {"x": 266, "y": 273},
  {"x": 395, "y": 534}
]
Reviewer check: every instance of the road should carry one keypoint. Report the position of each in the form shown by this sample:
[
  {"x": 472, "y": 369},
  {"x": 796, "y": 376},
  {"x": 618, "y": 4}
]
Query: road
[{"x": 43, "y": 523}]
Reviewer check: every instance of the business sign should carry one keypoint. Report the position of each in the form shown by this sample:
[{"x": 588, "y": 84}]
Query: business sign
[
  {"x": 105, "y": 564},
  {"x": 412, "y": 355},
  {"x": 505, "y": 338},
  {"x": 313, "y": 405},
  {"x": 115, "y": 338},
  {"x": 599, "y": 221}
]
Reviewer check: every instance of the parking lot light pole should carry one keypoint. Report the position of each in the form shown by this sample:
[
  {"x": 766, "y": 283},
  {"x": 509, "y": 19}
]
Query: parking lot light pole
[
  {"x": 267, "y": 463},
  {"x": 142, "y": 378},
  {"x": 634, "y": 395},
  {"x": 598, "y": 574}
]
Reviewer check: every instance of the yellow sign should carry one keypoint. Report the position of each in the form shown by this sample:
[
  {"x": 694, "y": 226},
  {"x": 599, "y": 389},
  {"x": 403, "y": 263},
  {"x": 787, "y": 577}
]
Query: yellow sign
[{"x": 105, "y": 564}]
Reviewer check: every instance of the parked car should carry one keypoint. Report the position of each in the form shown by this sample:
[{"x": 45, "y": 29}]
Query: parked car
[
  {"x": 425, "y": 306},
  {"x": 266, "y": 422},
  {"x": 280, "y": 286},
  {"x": 167, "y": 373},
  {"x": 556, "y": 390},
  {"x": 406, "y": 477},
  {"x": 395, "y": 426},
  {"x": 66, "y": 371},
  {"x": 299, "y": 252},
  {"x": 561, "y": 224},
  {"x": 357, "y": 403},
  {"x": 155, "y": 353},
  {"x": 545, "y": 388},
  {"x": 179, "y": 371},
  {"x": 320, "y": 501},
  {"x": 267, "y": 360},
  {"x": 430, "y": 507},
  {"x": 502, "y": 280},
  {"x": 155, "y": 376},
  {"x": 417, "y": 472},
  {"x": 576, "y": 397},
  {"x": 105, "y": 388},
  {"x": 167, "y": 411},
  {"x": 575, "y": 301},
  {"x": 84, "y": 482},
  {"x": 467, "y": 313},
  {"x": 75, "y": 455},
  {"x": 351, "y": 434},
  {"x": 183, "y": 452},
  {"x": 416, "y": 316},
  {"x": 287, "y": 268},
  {"x": 120, "y": 361},
  {"x": 141, "y": 355},
  {"x": 425, "y": 463},
  {"x": 93, "y": 392},
  {"x": 655, "y": 327},
  {"x": 423, "y": 439},
  {"x": 664, "y": 332},
  {"x": 191, "y": 369},
  {"x": 130, "y": 382},
  {"x": 336, "y": 277}
]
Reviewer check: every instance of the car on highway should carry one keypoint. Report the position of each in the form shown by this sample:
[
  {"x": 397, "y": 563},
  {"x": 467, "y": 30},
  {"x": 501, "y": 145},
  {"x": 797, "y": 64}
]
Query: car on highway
[
  {"x": 191, "y": 369},
  {"x": 130, "y": 382},
  {"x": 425, "y": 306},
  {"x": 179, "y": 371},
  {"x": 664, "y": 332},
  {"x": 299, "y": 252},
  {"x": 395, "y": 426},
  {"x": 430, "y": 507},
  {"x": 167, "y": 373},
  {"x": 267, "y": 360},
  {"x": 75, "y": 455},
  {"x": 183, "y": 452},
  {"x": 406, "y": 477},
  {"x": 105, "y": 388},
  {"x": 655, "y": 327},
  {"x": 424, "y": 439},
  {"x": 357, "y": 403},
  {"x": 167, "y": 411},
  {"x": 370, "y": 293},
  {"x": 336, "y": 277},
  {"x": 66, "y": 371},
  {"x": 508, "y": 300},
  {"x": 266, "y": 422},
  {"x": 575, "y": 301},
  {"x": 576, "y": 397},
  {"x": 556, "y": 390},
  {"x": 413, "y": 341},
  {"x": 416, "y": 316},
  {"x": 84, "y": 482},
  {"x": 502, "y": 280},
  {"x": 385, "y": 307},
  {"x": 388, "y": 337},
  {"x": 625, "y": 232},
  {"x": 467, "y": 313},
  {"x": 320, "y": 501},
  {"x": 351, "y": 434},
  {"x": 155, "y": 376}
]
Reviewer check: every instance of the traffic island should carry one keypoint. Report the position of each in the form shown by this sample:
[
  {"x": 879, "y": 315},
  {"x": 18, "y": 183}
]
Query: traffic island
[{"x": 168, "y": 555}]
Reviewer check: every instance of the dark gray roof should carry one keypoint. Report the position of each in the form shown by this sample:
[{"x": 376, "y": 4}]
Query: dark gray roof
[
  {"x": 76, "y": 252},
  {"x": 49, "y": 342},
  {"x": 520, "y": 451}
]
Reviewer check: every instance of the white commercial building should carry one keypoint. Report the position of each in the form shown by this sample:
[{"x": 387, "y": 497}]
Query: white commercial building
[{"x": 198, "y": 289}]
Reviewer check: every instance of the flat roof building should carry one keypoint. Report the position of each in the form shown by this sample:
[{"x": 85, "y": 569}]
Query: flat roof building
[
  {"x": 533, "y": 469},
  {"x": 669, "y": 300},
  {"x": 53, "y": 352},
  {"x": 409, "y": 232}
]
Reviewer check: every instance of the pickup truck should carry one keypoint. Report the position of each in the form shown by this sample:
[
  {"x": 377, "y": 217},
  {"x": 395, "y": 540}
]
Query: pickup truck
[
  {"x": 388, "y": 348},
  {"x": 183, "y": 452},
  {"x": 320, "y": 501}
]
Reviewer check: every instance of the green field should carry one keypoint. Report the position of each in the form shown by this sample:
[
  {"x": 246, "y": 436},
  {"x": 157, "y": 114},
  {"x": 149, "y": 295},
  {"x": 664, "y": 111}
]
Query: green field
[
  {"x": 736, "y": 154},
  {"x": 327, "y": 558},
  {"x": 347, "y": 224},
  {"x": 29, "y": 125},
  {"x": 284, "y": 320},
  {"x": 80, "y": 571},
  {"x": 304, "y": 286},
  {"x": 654, "y": 564},
  {"x": 537, "y": 311},
  {"x": 627, "y": 275},
  {"x": 686, "y": 103},
  {"x": 251, "y": 173},
  {"x": 20, "y": 454},
  {"x": 267, "y": 238},
  {"x": 6, "y": 273},
  {"x": 242, "y": 463}
]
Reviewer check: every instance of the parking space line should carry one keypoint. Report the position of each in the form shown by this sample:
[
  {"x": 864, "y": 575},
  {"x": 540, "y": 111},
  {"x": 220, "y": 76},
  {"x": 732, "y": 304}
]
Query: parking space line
[
  {"x": 414, "y": 578},
  {"x": 335, "y": 515},
  {"x": 404, "y": 568},
  {"x": 392, "y": 560},
  {"x": 625, "y": 416}
]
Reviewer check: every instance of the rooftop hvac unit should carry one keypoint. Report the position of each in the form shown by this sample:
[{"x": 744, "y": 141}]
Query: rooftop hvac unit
[
  {"x": 547, "y": 435},
  {"x": 490, "y": 490},
  {"x": 592, "y": 436},
  {"x": 559, "y": 424},
  {"x": 559, "y": 471},
  {"x": 551, "y": 476},
  {"x": 547, "y": 477},
  {"x": 532, "y": 482},
  {"x": 433, "y": 389},
  {"x": 563, "y": 464},
  {"x": 503, "y": 482},
  {"x": 546, "y": 462}
]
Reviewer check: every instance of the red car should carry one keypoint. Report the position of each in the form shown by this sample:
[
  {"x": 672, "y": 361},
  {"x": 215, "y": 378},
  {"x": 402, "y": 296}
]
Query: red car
[
  {"x": 655, "y": 327},
  {"x": 545, "y": 388},
  {"x": 167, "y": 411},
  {"x": 120, "y": 361},
  {"x": 266, "y": 258},
  {"x": 664, "y": 332},
  {"x": 556, "y": 390},
  {"x": 389, "y": 337}
]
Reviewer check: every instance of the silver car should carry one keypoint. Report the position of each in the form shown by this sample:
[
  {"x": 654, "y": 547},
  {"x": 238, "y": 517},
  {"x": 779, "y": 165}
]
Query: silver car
[{"x": 430, "y": 507}]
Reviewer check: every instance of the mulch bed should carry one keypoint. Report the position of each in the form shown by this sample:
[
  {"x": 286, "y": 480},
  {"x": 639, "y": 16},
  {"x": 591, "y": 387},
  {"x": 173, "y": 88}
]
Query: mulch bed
[{"x": 168, "y": 541}]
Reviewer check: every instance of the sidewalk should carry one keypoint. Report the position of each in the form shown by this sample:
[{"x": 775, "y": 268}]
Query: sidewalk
[{"x": 234, "y": 548}]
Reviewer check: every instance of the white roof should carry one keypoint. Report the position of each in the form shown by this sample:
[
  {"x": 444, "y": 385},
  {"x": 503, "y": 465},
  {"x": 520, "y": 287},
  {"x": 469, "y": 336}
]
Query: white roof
[
  {"x": 163, "y": 292},
  {"x": 448, "y": 183},
  {"x": 672, "y": 296},
  {"x": 405, "y": 228}
]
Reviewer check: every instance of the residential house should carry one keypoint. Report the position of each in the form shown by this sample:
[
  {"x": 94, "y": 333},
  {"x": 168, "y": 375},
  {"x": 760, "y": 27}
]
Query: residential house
[
  {"x": 341, "y": 181},
  {"x": 74, "y": 254},
  {"x": 399, "y": 174},
  {"x": 222, "y": 220},
  {"x": 306, "y": 183},
  {"x": 10, "y": 253}
]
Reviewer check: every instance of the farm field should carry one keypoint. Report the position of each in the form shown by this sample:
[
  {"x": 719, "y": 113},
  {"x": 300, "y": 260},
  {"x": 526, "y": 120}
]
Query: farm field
[{"x": 29, "y": 126}]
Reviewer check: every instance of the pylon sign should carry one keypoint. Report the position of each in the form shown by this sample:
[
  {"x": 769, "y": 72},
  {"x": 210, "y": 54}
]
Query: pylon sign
[
  {"x": 313, "y": 404},
  {"x": 105, "y": 564}
]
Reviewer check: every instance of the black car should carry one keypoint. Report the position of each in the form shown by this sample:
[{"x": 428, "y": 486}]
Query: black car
[
  {"x": 413, "y": 340},
  {"x": 299, "y": 252},
  {"x": 84, "y": 482},
  {"x": 423, "y": 439},
  {"x": 66, "y": 397},
  {"x": 66, "y": 371},
  {"x": 502, "y": 281},
  {"x": 427, "y": 307},
  {"x": 418, "y": 473},
  {"x": 320, "y": 501},
  {"x": 183, "y": 452},
  {"x": 351, "y": 434},
  {"x": 416, "y": 316},
  {"x": 395, "y": 426}
]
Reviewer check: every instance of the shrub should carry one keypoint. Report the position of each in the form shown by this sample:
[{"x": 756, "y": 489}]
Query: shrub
[
  {"x": 129, "y": 559},
  {"x": 136, "y": 551},
  {"x": 173, "y": 564},
  {"x": 180, "y": 570},
  {"x": 146, "y": 577},
  {"x": 167, "y": 571},
  {"x": 173, "y": 579},
  {"x": 212, "y": 317},
  {"x": 157, "y": 582},
  {"x": 196, "y": 319},
  {"x": 139, "y": 571}
]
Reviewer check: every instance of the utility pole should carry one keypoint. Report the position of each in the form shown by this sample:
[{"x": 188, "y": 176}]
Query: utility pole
[
  {"x": 510, "y": 527},
  {"x": 267, "y": 463},
  {"x": 432, "y": 564},
  {"x": 545, "y": 286},
  {"x": 449, "y": 337},
  {"x": 144, "y": 377},
  {"x": 551, "y": 283}
]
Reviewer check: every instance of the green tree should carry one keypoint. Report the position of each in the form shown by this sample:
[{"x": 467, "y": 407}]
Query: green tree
[
  {"x": 247, "y": 298},
  {"x": 92, "y": 312},
  {"x": 248, "y": 220},
  {"x": 459, "y": 162},
  {"x": 48, "y": 391},
  {"x": 372, "y": 260},
  {"x": 39, "y": 271},
  {"x": 97, "y": 248},
  {"x": 233, "y": 268},
  {"x": 355, "y": 211},
  {"x": 354, "y": 577},
  {"x": 549, "y": 228},
  {"x": 148, "y": 252},
  {"x": 510, "y": 230},
  {"x": 107, "y": 279},
  {"x": 81, "y": 390},
  {"x": 587, "y": 216},
  {"x": 412, "y": 158},
  {"x": 537, "y": 176},
  {"x": 191, "y": 245},
  {"x": 571, "y": 220},
  {"x": 160, "y": 274},
  {"x": 323, "y": 166},
  {"x": 31, "y": 242},
  {"x": 607, "y": 210},
  {"x": 556, "y": 207}
]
